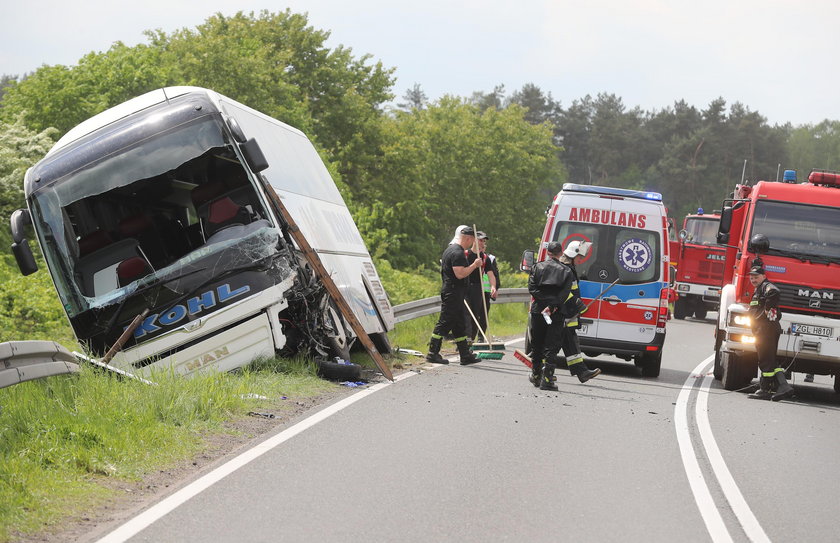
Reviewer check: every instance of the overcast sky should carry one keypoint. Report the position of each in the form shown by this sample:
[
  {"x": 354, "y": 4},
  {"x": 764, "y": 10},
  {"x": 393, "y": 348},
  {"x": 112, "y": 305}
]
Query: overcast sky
[{"x": 776, "y": 57}]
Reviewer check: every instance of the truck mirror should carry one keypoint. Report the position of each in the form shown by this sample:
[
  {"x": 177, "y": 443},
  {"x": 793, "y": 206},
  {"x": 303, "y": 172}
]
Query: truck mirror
[
  {"x": 19, "y": 220},
  {"x": 722, "y": 238},
  {"x": 683, "y": 234},
  {"x": 527, "y": 261},
  {"x": 758, "y": 244},
  {"x": 253, "y": 155},
  {"x": 725, "y": 221}
]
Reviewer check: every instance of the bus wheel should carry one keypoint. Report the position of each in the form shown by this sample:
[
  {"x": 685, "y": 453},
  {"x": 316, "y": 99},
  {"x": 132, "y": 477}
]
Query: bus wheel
[
  {"x": 680, "y": 308},
  {"x": 651, "y": 362},
  {"x": 738, "y": 370},
  {"x": 336, "y": 371},
  {"x": 338, "y": 340}
]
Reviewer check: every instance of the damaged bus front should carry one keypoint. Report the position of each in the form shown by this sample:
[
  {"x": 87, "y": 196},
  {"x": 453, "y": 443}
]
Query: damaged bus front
[{"x": 159, "y": 207}]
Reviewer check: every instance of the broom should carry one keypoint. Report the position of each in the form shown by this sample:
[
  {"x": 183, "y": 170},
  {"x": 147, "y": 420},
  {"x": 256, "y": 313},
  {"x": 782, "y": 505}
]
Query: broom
[
  {"x": 484, "y": 354},
  {"x": 487, "y": 344}
]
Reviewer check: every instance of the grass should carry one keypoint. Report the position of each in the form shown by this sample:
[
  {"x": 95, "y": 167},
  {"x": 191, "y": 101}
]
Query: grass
[{"x": 60, "y": 436}]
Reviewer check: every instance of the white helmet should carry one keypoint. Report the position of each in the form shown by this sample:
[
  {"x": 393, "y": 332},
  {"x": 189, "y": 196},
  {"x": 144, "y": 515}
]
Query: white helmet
[{"x": 575, "y": 248}]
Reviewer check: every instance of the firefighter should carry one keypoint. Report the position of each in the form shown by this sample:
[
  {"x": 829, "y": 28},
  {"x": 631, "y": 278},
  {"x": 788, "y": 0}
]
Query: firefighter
[
  {"x": 573, "y": 307},
  {"x": 549, "y": 284},
  {"x": 454, "y": 270},
  {"x": 482, "y": 283},
  {"x": 764, "y": 321}
]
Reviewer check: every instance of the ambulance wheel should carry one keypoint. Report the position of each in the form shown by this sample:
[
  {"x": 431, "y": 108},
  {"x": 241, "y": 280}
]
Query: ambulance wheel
[
  {"x": 738, "y": 370},
  {"x": 700, "y": 313},
  {"x": 837, "y": 383},
  {"x": 718, "y": 371},
  {"x": 651, "y": 363},
  {"x": 680, "y": 309}
]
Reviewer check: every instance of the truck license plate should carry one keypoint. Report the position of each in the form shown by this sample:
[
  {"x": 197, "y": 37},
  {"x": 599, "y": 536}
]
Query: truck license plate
[{"x": 823, "y": 331}]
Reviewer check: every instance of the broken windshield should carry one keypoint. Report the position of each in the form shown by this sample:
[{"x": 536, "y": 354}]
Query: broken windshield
[{"x": 146, "y": 212}]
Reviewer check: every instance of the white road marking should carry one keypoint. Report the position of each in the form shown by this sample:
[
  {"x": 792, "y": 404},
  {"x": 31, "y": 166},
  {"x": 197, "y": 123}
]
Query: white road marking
[
  {"x": 157, "y": 511},
  {"x": 708, "y": 510},
  {"x": 733, "y": 494}
]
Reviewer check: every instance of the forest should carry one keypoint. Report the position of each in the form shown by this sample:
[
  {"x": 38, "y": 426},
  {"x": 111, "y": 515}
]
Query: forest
[{"x": 412, "y": 169}]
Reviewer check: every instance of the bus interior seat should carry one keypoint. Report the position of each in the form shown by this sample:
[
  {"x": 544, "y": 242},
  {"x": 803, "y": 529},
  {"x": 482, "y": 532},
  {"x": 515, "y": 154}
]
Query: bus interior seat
[
  {"x": 98, "y": 270},
  {"x": 132, "y": 269},
  {"x": 141, "y": 227},
  {"x": 225, "y": 212},
  {"x": 94, "y": 241}
]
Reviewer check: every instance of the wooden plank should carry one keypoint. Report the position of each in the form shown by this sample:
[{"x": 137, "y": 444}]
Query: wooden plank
[{"x": 315, "y": 261}]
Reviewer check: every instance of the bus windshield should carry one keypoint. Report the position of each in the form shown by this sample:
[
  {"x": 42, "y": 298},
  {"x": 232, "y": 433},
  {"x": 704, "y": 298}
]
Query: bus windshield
[{"x": 148, "y": 212}]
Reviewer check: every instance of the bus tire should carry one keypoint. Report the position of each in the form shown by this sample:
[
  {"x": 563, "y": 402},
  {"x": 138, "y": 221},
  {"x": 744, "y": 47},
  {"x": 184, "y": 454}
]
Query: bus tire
[
  {"x": 338, "y": 372},
  {"x": 651, "y": 363}
]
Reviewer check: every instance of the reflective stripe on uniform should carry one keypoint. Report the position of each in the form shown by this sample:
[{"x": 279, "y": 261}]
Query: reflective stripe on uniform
[
  {"x": 459, "y": 339},
  {"x": 574, "y": 359},
  {"x": 435, "y": 336}
]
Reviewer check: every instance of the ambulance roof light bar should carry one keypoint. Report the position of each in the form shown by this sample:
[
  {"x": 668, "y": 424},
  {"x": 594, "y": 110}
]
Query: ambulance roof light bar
[
  {"x": 611, "y": 191},
  {"x": 824, "y": 177}
]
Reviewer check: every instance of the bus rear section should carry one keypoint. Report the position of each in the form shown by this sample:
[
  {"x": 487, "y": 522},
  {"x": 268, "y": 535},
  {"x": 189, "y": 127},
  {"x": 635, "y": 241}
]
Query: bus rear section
[{"x": 624, "y": 278}]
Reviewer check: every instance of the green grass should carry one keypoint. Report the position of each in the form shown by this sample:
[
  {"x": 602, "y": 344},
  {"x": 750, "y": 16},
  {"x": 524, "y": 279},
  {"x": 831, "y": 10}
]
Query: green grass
[{"x": 60, "y": 436}]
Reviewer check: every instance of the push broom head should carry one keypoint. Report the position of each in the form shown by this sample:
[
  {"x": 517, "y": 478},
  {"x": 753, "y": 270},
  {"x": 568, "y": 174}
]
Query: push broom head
[{"x": 489, "y": 355}]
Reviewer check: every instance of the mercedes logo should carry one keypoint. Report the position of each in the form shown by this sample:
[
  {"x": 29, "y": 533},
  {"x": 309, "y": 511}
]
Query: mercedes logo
[{"x": 602, "y": 274}]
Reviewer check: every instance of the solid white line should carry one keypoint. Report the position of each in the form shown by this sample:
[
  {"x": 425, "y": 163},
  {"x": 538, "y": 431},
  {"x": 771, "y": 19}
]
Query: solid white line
[
  {"x": 708, "y": 510},
  {"x": 157, "y": 511},
  {"x": 733, "y": 494}
]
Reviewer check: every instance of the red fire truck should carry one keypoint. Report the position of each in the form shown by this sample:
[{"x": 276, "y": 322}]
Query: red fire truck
[
  {"x": 793, "y": 229},
  {"x": 699, "y": 266}
]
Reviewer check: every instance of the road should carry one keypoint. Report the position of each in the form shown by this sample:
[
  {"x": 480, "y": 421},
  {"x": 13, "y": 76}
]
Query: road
[{"x": 476, "y": 453}]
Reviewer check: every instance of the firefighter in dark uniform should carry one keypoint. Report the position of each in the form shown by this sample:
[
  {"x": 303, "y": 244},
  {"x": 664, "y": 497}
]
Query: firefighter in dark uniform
[
  {"x": 572, "y": 309},
  {"x": 550, "y": 283},
  {"x": 454, "y": 270},
  {"x": 482, "y": 284},
  {"x": 764, "y": 321}
]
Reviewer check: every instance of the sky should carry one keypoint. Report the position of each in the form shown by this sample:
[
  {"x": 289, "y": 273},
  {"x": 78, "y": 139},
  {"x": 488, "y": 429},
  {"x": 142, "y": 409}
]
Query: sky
[{"x": 776, "y": 57}]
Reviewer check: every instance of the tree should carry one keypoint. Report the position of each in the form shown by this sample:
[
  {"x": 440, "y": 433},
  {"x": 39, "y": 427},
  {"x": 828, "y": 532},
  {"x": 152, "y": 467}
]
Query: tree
[{"x": 414, "y": 98}]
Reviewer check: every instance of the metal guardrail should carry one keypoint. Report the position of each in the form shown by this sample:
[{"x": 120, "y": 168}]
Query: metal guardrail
[
  {"x": 427, "y": 306},
  {"x": 22, "y": 361}
]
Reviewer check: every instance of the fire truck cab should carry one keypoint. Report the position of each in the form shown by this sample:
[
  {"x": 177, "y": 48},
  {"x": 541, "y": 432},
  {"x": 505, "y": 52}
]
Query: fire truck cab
[
  {"x": 700, "y": 266},
  {"x": 801, "y": 221}
]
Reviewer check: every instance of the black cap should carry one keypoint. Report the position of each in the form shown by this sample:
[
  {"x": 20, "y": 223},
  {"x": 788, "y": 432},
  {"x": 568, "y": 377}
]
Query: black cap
[
  {"x": 554, "y": 247},
  {"x": 481, "y": 235},
  {"x": 467, "y": 231},
  {"x": 757, "y": 270}
]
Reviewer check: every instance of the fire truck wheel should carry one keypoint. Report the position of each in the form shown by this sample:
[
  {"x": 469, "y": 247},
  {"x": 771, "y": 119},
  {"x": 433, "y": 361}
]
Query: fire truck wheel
[
  {"x": 837, "y": 383},
  {"x": 651, "y": 362},
  {"x": 700, "y": 313},
  {"x": 738, "y": 370},
  {"x": 680, "y": 309},
  {"x": 718, "y": 371}
]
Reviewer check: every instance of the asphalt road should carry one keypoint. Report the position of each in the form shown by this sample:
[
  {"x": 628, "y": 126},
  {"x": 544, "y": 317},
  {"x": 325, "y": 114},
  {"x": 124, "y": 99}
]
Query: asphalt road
[{"x": 476, "y": 453}]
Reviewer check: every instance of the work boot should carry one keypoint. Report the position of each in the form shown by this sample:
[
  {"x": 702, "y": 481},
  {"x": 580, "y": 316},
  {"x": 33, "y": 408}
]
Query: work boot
[
  {"x": 783, "y": 388},
  {"x": 582, "y": 371},
  {"x": 434, "y": 352},
  {"x": 547, "y": 380},
  {"x": 536, "y": 372},
  {"x": 763, "y": 392},
  {"x": 467, "y": 356}
]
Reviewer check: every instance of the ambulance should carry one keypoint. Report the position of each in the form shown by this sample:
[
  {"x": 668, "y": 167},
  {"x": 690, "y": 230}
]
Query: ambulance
[{"x": 624, "y": 278}]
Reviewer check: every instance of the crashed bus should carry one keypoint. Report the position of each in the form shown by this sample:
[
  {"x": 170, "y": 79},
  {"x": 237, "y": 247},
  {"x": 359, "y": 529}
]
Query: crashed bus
[{"x": 162, "y": 212}]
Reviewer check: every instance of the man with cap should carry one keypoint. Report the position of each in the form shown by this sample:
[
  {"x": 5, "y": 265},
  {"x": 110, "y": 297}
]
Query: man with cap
[
  {"x": 483, "y": 283},
  {"x": 550, "y": 284},
  {"x": 575, "y": 252},
  {"x": 454, "y": 271},
  {"x": 764, "y": 321}
]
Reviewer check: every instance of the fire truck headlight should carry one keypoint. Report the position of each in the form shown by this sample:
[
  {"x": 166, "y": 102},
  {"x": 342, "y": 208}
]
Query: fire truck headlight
[
  {"x": 744, "y": 338},
  {"x": 741, "y": 320},
  {"x": 683, "y": 288}
]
